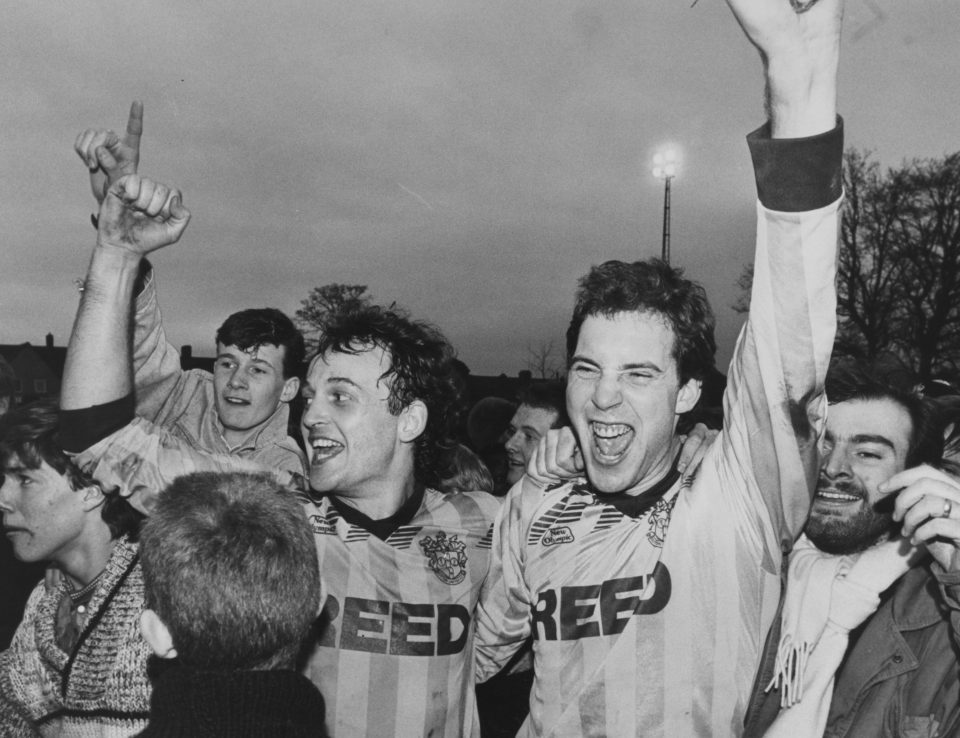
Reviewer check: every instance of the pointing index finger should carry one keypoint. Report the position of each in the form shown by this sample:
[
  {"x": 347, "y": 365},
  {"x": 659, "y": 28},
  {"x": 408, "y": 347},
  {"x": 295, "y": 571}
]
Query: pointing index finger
[{"x": 135, "y": 124}]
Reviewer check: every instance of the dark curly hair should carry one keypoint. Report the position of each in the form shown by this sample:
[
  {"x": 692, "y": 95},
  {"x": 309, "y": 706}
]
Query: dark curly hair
[
  {"x": 250, "y": 329},
  {"x": 886, "y": 379},
  {"x": 420, "y": 369},
  {"x": 651, "y": 286},
  {"x": 29, "y": 433}
]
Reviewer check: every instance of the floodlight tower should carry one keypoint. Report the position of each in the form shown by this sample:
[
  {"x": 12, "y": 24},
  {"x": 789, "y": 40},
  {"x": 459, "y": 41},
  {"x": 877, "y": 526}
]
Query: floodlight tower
[{"x": 665, "y": 164}]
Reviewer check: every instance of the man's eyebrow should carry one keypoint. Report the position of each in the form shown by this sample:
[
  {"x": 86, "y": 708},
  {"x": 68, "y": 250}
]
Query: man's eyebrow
[
  {"x": 623, "y": 367},
  {"x": 640, "y": 365},
  {"x": 344, "y": 380},
  {"x": 864, "y": 438},
  {"x": 873, "y": 438}
]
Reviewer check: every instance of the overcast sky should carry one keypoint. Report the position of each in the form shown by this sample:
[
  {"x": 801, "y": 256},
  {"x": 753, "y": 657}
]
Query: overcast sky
[{"x": 469, "y": 160}]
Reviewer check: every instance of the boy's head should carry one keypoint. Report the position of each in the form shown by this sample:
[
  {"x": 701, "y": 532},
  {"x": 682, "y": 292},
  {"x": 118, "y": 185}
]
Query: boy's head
[
  {"x": 260, "y": 356},
  {"x": 230, "y": 572},
  {"x": 51, "y": 508}
]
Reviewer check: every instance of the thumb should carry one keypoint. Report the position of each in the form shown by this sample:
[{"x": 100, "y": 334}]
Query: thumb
[
  {"x": 105, "y": 158},
  {"x": 177, "y": 210},
  {"x": 578, "y": 459}
]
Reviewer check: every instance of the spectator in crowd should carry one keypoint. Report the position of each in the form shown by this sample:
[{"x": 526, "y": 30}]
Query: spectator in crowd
[
  {"x": 464, "y": 472},
  {"x": 542, "y": 407},
  {"x": 17, "y": 578},
  {"x": 232, "y": 587},
  {"x": 403, "y": 562},
  {"x": 77, "y": 664},
  {"x": 624, "y": 578},
  {"x": 242, "y": 408},
  {"x": 877, "y": 660}
]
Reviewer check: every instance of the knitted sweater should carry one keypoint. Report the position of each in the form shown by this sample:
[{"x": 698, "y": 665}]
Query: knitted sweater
[
  {"x": 189, "y": 703},
  {"x": 98, "y": 689}
]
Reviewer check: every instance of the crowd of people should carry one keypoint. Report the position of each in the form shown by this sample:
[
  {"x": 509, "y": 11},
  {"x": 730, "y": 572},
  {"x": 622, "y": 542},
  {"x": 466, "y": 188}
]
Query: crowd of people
[{"x": 570, "y": 566}]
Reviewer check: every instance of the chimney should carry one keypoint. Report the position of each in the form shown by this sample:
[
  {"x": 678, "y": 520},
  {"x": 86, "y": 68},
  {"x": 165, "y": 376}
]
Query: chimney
[
  {"x": 49, "y": 340},
  {"x": 186, "y": 352}
]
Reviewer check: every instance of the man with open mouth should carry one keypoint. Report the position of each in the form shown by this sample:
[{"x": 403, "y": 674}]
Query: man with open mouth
[
  {"x": 879, "y": 558},
  {"x": 402, "y": 562},
  {"x": 647, "y": 595}
]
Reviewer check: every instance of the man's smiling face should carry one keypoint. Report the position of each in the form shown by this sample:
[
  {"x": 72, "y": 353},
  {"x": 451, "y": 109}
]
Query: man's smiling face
[
  {"x": 623, "y": 398},
  {"x": 352, "y": 437},
  {"x": 866, "y": 442},
  {"x": 249, "y": 386},
  {"x": 528, "y": 425}
]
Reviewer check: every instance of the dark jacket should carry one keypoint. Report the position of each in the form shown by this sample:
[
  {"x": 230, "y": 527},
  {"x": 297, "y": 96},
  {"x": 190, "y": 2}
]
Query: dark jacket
[
  {"x": 188, "y": 703},
  {"x": 901, "y": 673}
]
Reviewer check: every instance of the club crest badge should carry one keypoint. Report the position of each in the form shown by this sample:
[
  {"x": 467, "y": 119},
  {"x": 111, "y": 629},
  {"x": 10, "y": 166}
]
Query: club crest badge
[
  {"x": 659, "y": 521},
  {"x": 447, "y": 557}
]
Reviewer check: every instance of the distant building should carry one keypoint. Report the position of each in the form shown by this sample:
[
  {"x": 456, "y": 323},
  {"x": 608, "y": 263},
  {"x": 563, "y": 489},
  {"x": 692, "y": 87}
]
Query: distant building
[{"x": 38, "y": 369}]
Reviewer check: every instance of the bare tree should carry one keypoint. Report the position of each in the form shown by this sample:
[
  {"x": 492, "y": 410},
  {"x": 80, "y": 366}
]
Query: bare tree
[
  {"x": 898, "y": 272},
  {"x": 543, "y": 360}
]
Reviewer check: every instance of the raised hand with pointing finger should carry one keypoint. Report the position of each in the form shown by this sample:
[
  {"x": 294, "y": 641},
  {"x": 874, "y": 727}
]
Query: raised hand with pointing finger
[{"x": 109, "y": 156}]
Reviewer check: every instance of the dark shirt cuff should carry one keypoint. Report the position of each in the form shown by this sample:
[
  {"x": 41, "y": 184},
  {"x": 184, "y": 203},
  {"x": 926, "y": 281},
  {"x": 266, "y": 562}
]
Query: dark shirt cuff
[
  {"x": 143, "y": 276},
  {"x": 796, "y": 175},
  {"x": 80, "y": 429}
]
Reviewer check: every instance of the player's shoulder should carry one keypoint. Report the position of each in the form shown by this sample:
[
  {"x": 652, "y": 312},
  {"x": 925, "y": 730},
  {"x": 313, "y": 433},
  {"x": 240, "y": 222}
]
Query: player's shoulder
[
  {"x": 528, "y": 495},
  {"x": 472, "y": 507}
]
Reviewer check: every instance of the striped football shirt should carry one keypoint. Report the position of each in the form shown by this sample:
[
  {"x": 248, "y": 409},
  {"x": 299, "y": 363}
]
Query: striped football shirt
[
  {"x": 394, "y": 656},
  {"x": 652, "y": 626}
]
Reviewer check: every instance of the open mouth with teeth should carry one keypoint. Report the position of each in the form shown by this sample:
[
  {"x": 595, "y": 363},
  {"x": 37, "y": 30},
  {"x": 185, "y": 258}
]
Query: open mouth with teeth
[
  {"x": 834, "y": 496},
  {"x": 236, "y": 401},
  {"x": 324, "y": 449},
  {"x": 610, "y": 440}
]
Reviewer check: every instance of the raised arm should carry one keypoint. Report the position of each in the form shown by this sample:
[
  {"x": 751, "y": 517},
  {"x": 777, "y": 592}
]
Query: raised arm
[
  {"x": 156, "y": 362},
  {"x": 137, "y": 217},
  {"x": 801, "y": 55},
  {"x": 775, "y": 405}
]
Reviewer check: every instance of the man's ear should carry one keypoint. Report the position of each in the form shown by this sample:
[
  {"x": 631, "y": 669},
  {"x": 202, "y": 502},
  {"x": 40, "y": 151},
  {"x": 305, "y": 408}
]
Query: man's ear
[
  {"x": 290, "y": 389},
  {"x": 92, "y": 497},
  {"x": 413, "y": 421},
  {"x": 156, "y": 635},
  {"x": 688, "y": 396}
]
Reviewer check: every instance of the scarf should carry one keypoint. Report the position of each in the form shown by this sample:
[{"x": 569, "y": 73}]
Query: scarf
[{"x": 827, "y": 597}]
